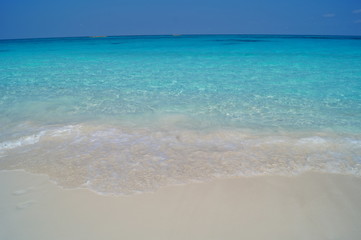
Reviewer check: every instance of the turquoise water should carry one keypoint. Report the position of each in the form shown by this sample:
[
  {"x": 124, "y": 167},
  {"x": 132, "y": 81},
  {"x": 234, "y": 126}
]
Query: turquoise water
[{"x": 127, "y": 114}]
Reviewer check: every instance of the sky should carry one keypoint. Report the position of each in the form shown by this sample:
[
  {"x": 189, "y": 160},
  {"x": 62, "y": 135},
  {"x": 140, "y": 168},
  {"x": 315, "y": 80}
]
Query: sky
[{"x": 67, "y": 18}]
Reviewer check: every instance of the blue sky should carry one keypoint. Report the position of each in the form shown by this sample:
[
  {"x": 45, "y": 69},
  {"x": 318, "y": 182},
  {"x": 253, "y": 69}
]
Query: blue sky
[{"x": 53, "y": 18}]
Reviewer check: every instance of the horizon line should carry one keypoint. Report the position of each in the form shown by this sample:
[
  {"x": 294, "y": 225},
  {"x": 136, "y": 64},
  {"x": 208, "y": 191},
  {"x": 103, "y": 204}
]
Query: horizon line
[{"x": 180, "y": 34}]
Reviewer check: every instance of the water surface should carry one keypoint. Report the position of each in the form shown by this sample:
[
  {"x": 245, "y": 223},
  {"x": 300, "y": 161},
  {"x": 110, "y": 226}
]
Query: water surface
[{"x": 133, "y": 113}]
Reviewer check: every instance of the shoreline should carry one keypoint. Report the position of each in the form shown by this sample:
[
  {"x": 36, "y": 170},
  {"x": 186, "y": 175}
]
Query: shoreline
[{"x": 308, "y": 206}]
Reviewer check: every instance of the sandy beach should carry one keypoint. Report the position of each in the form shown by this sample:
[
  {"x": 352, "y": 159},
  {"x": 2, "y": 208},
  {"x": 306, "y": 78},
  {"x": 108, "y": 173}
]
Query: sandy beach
[
  {"x": 180, "y": 120},
  {"x": 310, "y": 206}
]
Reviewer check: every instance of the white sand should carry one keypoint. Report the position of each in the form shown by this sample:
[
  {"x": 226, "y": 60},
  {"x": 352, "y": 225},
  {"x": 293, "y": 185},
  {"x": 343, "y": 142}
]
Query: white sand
[{"x": 311, "y": 206}]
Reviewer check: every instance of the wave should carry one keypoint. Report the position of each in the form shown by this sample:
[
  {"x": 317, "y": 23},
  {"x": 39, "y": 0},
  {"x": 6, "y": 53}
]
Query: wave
[
  {"x": 125, "y": 160},
  {"x": 34, "y": 138}
]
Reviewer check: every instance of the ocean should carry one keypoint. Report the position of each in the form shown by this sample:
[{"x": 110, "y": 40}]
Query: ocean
[{"x": 129, "y": 114}]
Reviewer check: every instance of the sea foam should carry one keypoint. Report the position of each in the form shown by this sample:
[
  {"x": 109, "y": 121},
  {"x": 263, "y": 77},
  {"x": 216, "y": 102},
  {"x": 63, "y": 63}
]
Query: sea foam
[{"x": 122, "y": 159}]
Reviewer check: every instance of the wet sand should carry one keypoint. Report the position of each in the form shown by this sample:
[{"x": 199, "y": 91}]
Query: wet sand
[{"x": 310, "y": 206}]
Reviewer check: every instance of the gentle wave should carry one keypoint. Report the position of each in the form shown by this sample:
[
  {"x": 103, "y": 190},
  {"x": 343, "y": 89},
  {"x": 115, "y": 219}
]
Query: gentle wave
[
  {"x": 35, "y": 138},
  {"x": 125, "y": 160},
  {"x": 23, "y": 141}
]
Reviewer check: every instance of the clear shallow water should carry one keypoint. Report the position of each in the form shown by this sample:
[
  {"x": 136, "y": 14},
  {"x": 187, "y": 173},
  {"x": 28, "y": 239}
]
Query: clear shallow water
[{"x": 129, "y": 114}]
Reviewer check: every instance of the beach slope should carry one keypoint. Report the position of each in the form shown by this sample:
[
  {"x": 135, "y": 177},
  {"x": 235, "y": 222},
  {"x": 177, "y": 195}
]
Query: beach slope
[{"x": 310, "y": 206}]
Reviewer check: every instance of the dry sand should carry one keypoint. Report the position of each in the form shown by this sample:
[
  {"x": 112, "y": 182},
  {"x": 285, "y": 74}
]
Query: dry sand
[{"x": 310, "y": 206}]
